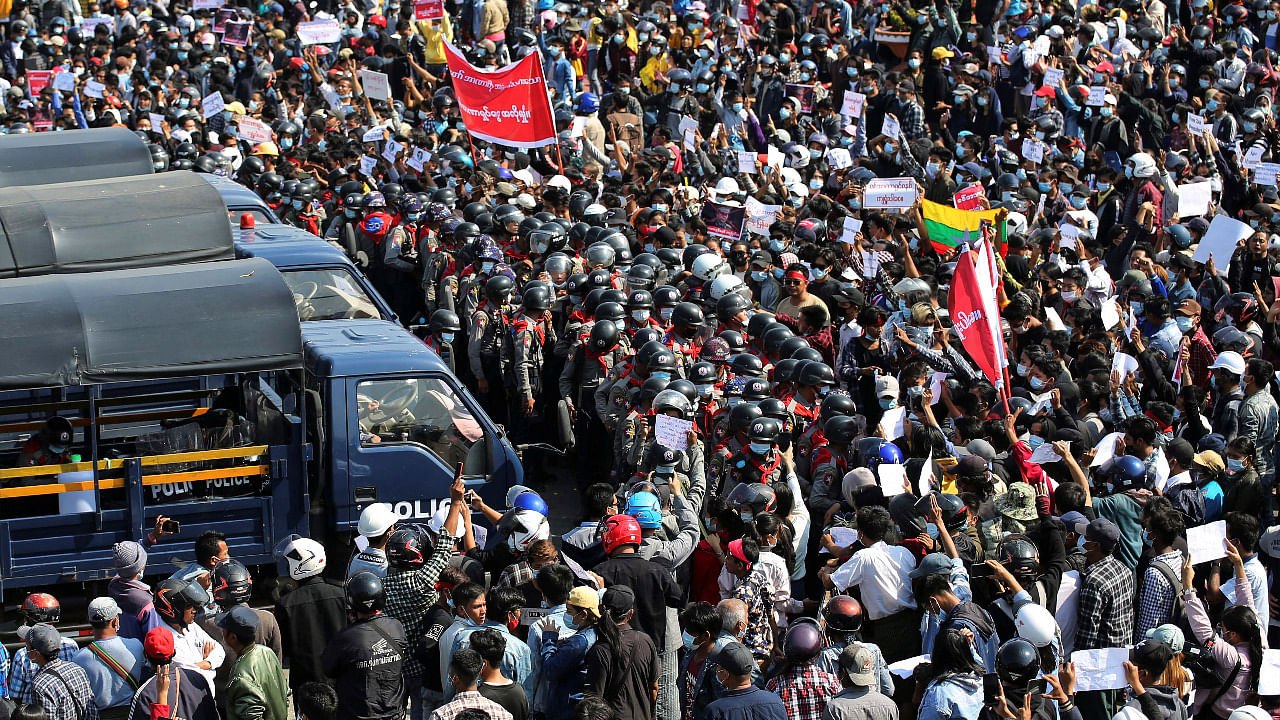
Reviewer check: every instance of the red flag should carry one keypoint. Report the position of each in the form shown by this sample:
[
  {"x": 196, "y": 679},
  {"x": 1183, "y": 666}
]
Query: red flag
[
  {"x": 508, "y": 106},
  {"x": 970, "y": 318}
]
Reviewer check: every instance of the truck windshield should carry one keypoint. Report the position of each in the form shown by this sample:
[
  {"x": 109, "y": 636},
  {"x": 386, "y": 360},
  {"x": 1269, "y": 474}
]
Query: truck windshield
[
  {"x": 424, "y": 411},
  {"x": 328, "y": 294}
]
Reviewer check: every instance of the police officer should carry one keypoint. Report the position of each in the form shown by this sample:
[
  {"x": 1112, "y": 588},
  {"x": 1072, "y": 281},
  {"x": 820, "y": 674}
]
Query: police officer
[
  {"x": 444, "y": 328},
  {"x": 487, "y": 343},
  {"x": 760, "y": 461},
  {"x": 532, "y": 335},
  {"x": 590, "y": 366},
  {"x": 740, "y": 418},
  {"x": 830, "y": 463}
]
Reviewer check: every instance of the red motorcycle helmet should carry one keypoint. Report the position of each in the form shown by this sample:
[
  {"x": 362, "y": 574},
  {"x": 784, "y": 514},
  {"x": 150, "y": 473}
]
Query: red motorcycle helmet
[
  {"x": 620, "y": 530},
  {"x": 41, "y": 608}
]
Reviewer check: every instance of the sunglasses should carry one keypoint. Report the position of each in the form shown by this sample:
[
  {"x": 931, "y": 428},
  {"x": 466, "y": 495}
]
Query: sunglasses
[{"x": 792, "y": 282}]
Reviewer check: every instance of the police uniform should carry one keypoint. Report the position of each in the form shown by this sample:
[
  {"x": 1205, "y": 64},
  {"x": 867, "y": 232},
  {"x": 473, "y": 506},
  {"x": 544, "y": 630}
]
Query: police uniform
[
  {"x": 718, "y": 465},
  {"x": 530, "y": 338},
  {"x": 487, "y": 341},
  {"x": 829, "y": 469},
  {"x": 613, "y": 397},
  {"x": 686, "y": 351},
  {"x": 745, "y": 466},
  {"x": 624, "y": 439}
]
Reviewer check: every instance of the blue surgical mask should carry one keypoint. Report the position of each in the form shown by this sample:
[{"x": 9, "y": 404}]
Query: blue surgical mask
[
  {"x": 785, "y": 113},
  {"x": 661, "y": 375},
  {"x": 1234, "y": 465},
  {"x": 914, "y": 62},
  {"x": 737, "y": 107},
  {"x": 777, "y": 245},
  {"x": 1034, "y": 441},
  {"x": 1044, "y": 186},
  {"x": 779, "y": 272},
  {"x": 1137, "y": 308},
  {"x": 1146, "y": 538},
  {"x": 1037, "y": 383},
  {"x": 759, "y": 275},
  {"x": 888, "y": 403},
  {"x": 688, "y": 640},
  {"x": 1104, "y": 187},
  {"x": 1078, "y": 202},
  {"x": 1184, "y": 323},
  {"x": 446, "y": 337},
  {"x": 1107, "y": 111},
  {"x": 760, "y": 448},
  {"x": 1023, "y": 370},
  {"x": 1249, "y": 126}
]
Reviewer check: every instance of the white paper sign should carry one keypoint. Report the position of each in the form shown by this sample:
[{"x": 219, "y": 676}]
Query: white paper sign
[
  {"x": 1044, "y": 454},
  {"x": 373, "y": 135},
  {"x": 1269, "y": 673},
  {"x": 1052, "y": 77},
  {"x": 842, "y": 536},
  {"x": 1194, "y": 199},
  {"x": 1252, "y": 157},
  {"x": 157, "y": 121},
  {"x": 1054, "y": 319},
  {"x": 890, "y": 193},
  {"x": 367, "y": 164},
  {"x": 376, "y": 85},
  {"x": 893, "y": 479},
  {"x": 1100, "y": 669},
  {"x": 854, "y": 102},
  {"x": 746, "y": 162},
  {"x": 207, "y": 4},
  {"x": 1033, "y": 150},
  {"x": 672, "y": 432},
  {"x": 1042, "y": 402},
  {"x": 90, "y": 25},
  {"x": 775, "y": 157},
  {"x": 1125, "y": 364},
  {"x": 686, "y": 124},
  {"x": 418, "y": 160},
  {"x": 1097, "y": 95},
  {"x": 924, "y": 483},
  {"x": 392, "y": 149},
  {"x": 331, "y": 97},
  {"x": 1105, "y": 449},
  {"x": 579, "y": 127},
  {"x": 212, "y": 105},
  {"x": 1220, "y": 240},
  {"x": 1264, "y": 174},
  {"x": 906, "y": 668},
  {"x": 935, "y": 384},
  {"x": 253, "y": 130},
  {"x": 890, "y": 128},
  {"x": 1206, "y": 542},
  {"x": 760, "y": 216},
  {"x": 64, "y": 81},
  {"x": 839, "y": 158},
  {"x": 852, "y": 226},
  {"x": 319, "y": 32},
  {"x": 1195, "y": 124},
  {"x": 892, "y": 423},
  {"x": 1110, "y": 312},
  {"x": 690, "y": 139}
]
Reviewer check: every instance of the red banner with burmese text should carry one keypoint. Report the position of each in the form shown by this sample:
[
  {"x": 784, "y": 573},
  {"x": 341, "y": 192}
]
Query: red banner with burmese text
[{"x": 508, "y": 106}]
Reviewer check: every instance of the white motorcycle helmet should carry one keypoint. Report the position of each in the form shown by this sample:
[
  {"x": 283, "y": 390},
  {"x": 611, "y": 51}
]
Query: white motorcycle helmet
[
  {"x": 724, "y": 285},
  {"x": 305, "y": 556},
  {"x": 1036, "y": 625},
  {"x": 523, "y": 528},
  {"x": 708, "y": 266}
]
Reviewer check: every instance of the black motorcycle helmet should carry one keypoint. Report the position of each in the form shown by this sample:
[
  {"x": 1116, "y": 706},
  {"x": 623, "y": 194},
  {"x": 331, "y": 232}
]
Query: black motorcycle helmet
[
  {"x": 785, "y": 370},
  {"x": 160, "y": 158},
  {"x": 650, "y": 388},
  {"x": 836, "y": 404},
  {"x": 610, "y": 311},
  {"x": 764, "y": 430},
  {"x": 172, "y": 598},
  {"x": 746, "y": 364},
  {"x": 1019, "y": 556},
  {"x": 645, "y": 335},
  {"x": 498, "y": 288},
  {"x": 735, "y": 340},
  {"x": 730, "y": 305},
  {"x": 841, "y": 429},
  {"x": 364, "y": 592},
  {"x": 816, "y": 373},
  {"x": 599, "y": 278},
  {"x": 1017, "y": 662},
  {"x": 407, "y": 549},
  {"x": 755, "y": 390},
  {"x": 742, "y": 415},
  {"x": 230, "y": 584}
]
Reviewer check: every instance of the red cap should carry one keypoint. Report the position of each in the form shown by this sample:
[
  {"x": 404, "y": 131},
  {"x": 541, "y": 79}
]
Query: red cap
[
  {"x": 378, "y": 20},
  {"x": 296, "y": 63},
  {"x": 1046, "y": 91},
  {"x": 158, "y": 644},
  {"x": 246, "y": 221},
  {"x": 1104, "y": 66}
]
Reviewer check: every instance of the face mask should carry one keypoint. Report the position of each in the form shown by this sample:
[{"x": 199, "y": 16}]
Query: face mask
[
  {"x": 760, "y": 448},
  {"x": 746, "y": 516},
  {"x": 1078, "y": 202},
  {"x": 778, "y": 273},
  {"x": 1107, "y": 111},
  {"x": 446, "y": 337},
  {"x": 640, "y": 316},
  {"x": 1137, "y": 308},
  {"x": 888, "y": 403},
  {"x": 1104, "y": 187},
  {"x": 1034, "y": 441},
  {"x": 1234, "y": 465},
  {"x": 817, "y": 273},
  {"x": 1044, "y": 187},
  {"x": 689, "y": 640},
  {"x": 1212, "y": 105},
  {"x": 932, "y": 530},
  {"x": 932, "y": 169},
  {"x": 890, "y": 149},
  {"x": 777, "y": 245},
  {"x": 654, "y": 50},
  {"x": 785, "y": 113},
  {"x": 706, "y": 388},
  {"x": 704, "y": 53},
  {"x": 1184, "y": 323},
  {"x": 784, "y": 58},
  {"x": 1037, "y": 383},
  {"x": 914, "y": 63},
  {"x": 851, "y": 71},
  {"x": 737, "y": 107},
  {"x": 1069, "y": 296},
  {"x": 1023, "y": 370},
  {"x": 1249, "y": 126},
  {"x": 1146, "y": 538},
  {"x": 804, "y": 77},
  {"x": 815, "y": 185},
  {"x": 666, "y": 314}
]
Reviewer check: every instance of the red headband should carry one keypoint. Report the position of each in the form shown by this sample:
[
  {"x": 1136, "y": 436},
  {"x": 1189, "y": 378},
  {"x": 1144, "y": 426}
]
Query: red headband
[
  {"x": 796, "y": 275},
  {"x": 735, "y": 549}
]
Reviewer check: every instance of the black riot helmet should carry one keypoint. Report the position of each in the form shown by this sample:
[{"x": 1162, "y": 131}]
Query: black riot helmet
[{"x": 364, "y": 592}]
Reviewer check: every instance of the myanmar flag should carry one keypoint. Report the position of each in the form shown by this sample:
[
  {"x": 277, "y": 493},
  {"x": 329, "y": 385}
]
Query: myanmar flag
[{"x": 948, "y": 227}]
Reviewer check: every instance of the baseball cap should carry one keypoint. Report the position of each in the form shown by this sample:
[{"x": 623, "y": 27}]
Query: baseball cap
[
  {"x": 44, "y": 639},
  {"x": 971, "y": 466},
  {"x": 585, "y": 598},
  {"x": 932, "y": 564},
  {"x": 619, "y": 600},
  {"x": 1209, "y": 460},
  {"x": 1102, "y": 531},
  {"x": 859, "y": 664},
  {"x": 1151, "y": 655},
  {"x": 1229, "y": 360},
  {"x": 240, "y": 621},
  {"x": 736, "y": 659},
  {"x": 158, "y": 644},
  {"x": 1073, "y": 518},
  {"x": 1170, "y": 635},
  {"x": 103, "y": 609},
  {"x": 886, "y": 386},
  {"x": 1188, "y": 307}
]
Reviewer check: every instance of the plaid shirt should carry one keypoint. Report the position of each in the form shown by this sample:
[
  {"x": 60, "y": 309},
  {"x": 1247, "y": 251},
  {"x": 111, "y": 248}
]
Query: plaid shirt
[
  {"x": 68, "y": 698},
  {"x": 470, "y": 700},
  {"x": 912, "y": 121},
  {"x": 515, "y": 575},
  {"x": 22, "y": 671},
  {"x": 411, "y": 594},
  {"x": 805, "y": 690},
  {"x": 1106, "y": 606},
  {"x": 4, "y": 671},
  {"x": 1156, "y": 600},
  {"x": 1202, "y": 356},
  {"x": 754, "y": 591}
]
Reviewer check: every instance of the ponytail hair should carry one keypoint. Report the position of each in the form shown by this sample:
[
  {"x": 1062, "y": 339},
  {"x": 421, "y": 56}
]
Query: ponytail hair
[{"x": 1244, "y": 622}]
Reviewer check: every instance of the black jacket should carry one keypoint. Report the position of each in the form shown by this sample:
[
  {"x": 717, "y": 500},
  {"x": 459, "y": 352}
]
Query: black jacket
[
  {"x": 655, "y": 591},
  {"x": 308, "y": 617},
  {"x": 365, "y": 661}
]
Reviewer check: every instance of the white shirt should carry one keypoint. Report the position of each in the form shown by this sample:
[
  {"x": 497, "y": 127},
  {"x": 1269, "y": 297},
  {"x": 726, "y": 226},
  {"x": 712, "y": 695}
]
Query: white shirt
[
  {"x": 883, "y": 574},
  {"x": 1257, "y": 574},
  {"x": 189, "y": 648}
]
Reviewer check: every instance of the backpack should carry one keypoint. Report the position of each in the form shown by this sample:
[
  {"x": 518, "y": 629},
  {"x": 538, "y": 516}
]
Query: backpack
[{"x": 1177, "y": 611}]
